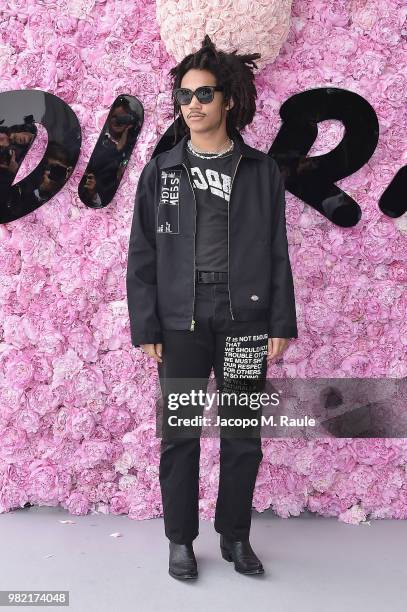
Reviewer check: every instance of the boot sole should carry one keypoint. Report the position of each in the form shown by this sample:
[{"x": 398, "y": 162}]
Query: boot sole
[
  {"x": 228, "y": 557},
  {"x": 183, "y": 577}
]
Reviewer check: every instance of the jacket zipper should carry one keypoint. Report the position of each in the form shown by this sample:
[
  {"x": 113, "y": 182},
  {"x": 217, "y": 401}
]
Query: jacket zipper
[
  {"x": 193, "y": 302},
  {"x": 230, "y": 195}
]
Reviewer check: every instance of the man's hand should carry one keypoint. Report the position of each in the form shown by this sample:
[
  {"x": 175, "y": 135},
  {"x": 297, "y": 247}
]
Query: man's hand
[
  {"x": 276, "y": 346},
  {"x": 123, "y": 138},
  {"x": 153, "y": 350}
]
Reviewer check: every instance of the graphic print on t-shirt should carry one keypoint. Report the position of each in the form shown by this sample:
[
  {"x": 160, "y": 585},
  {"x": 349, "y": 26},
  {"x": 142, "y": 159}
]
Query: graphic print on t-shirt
[{"x": 216, "y": 182}]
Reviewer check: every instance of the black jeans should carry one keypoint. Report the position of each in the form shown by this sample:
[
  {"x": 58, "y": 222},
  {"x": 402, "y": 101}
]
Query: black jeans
[{"x": 237, "y": 351}]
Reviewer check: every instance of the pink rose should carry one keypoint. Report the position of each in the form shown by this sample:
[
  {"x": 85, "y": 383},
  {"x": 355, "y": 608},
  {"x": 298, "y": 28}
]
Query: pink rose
[
  {"x": 118, "y": 503},
  {"x": 77, "y": 503}
]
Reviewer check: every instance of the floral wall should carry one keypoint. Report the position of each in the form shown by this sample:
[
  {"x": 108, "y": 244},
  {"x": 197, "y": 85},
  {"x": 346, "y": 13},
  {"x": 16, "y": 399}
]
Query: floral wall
[{"x": 77, "y": 401}]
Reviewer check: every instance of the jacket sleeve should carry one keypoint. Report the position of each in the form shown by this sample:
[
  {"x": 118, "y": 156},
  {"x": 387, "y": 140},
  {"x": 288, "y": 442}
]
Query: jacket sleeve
[
  {"x": 283, "y": 319},
  {"x": 141, "y": 280}
]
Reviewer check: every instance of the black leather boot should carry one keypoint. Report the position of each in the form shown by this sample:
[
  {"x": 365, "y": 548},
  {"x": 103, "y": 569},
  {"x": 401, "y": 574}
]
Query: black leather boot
[
  {"x": 242, "y": 554},
  {"x": 182, "y": 561}
]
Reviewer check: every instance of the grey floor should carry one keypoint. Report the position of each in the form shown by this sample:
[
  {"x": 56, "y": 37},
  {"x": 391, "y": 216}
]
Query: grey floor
[{"x": 311, "y": 563}]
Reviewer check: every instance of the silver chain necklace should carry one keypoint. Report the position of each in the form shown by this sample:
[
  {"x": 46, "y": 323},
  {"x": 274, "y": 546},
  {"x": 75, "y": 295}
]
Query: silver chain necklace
[{"x": 209, "y": 154}]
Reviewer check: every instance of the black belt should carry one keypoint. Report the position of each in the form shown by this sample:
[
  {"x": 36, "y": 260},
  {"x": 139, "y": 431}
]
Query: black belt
[{"x": 211, "y": 277}]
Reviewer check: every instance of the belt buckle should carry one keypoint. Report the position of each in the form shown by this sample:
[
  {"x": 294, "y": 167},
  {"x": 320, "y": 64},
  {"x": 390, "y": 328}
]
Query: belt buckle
[{"x": 210, "y": 276}]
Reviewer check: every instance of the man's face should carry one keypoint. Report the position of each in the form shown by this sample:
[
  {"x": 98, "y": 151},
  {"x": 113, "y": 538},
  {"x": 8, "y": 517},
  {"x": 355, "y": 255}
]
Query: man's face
[
  {"x": 115, "y": 127},
  {"x": 212, "y": 115},
  {"x": 21, "y": 138}
]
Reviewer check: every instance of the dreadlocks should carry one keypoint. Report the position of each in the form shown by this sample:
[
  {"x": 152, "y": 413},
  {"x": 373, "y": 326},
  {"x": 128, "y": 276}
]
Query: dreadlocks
[{"x": 233, "y": 71}]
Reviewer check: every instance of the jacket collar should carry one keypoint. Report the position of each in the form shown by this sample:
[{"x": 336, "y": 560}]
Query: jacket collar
[{"x": 176, "y": 155}]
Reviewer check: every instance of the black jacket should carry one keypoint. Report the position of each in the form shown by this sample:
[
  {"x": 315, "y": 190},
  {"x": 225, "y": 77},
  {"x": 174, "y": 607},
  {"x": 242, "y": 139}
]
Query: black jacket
[{"x": 161, "y": 259}]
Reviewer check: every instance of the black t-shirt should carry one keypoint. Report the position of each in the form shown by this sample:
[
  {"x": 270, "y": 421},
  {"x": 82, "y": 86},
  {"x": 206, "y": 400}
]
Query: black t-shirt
[{"x": 211, "y": 180}]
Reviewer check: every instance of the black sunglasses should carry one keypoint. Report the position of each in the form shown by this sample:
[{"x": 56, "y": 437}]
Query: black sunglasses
[{"x": 204, "y": 94}]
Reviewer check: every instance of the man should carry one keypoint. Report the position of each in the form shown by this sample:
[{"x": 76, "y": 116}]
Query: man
[
  {"x": 46, "y": 180},
  {"x": 209, "y": 283},
  {"x": 110, "y": 157}
]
